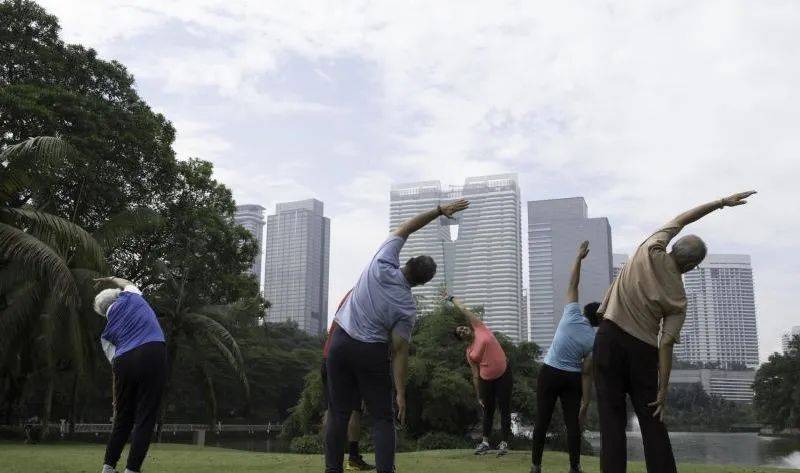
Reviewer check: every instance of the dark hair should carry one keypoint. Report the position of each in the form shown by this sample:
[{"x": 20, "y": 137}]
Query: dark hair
[
  {"x": 455, "y": 334},
  {"x": 421, "y": 269},
  {"x": 590, "y": 311}
]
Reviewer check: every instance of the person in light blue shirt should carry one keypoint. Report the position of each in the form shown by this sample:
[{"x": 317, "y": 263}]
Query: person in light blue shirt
[
  {"x": 375, "y": 323},
  {"x": 566, "y": 372}
]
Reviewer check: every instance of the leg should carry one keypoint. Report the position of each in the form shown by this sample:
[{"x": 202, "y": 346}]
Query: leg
[
  {"x": 124, "y": 410},
  {"x": 153, "y": 376},
  {"x": 487, "y": 391},
  {"x": 341, "y": 383},
  {"x": 375, "y": 386},
  {"x": 545, "y": 402},
  {"x": 504, "y": 390},
  {"x": 644, "y": 389},
  {"x": 610, "y": 374},
  {"x": 570, "y": 406},
  {"x": 354, "y": 432}
]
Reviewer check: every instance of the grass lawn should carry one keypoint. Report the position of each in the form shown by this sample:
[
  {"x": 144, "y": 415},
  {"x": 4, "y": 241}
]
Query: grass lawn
[{"x": 82, "y": 458}]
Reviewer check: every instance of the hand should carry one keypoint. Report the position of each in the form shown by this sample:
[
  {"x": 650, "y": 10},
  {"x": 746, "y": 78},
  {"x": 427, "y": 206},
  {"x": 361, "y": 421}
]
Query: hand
[
  {"x": 737, "y": 199},
  {"x": 452, "y": 207},
  {"x": 444, "y": 293},
  {"x": 401, "y": 409},
  {"x": 582, "y": 414},
  {"x": 583, "y": 250},
  {"x": 660, "y": 404}
]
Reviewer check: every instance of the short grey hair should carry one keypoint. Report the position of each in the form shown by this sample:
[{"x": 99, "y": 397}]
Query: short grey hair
[
  {"x": 689, "y": 251},
  {"x": 104, "y": 299}
]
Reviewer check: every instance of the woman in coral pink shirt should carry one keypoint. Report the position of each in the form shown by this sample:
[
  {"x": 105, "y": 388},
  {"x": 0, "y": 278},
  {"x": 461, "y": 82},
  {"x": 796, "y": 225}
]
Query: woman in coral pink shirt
[{"x": 491, "y": 376}]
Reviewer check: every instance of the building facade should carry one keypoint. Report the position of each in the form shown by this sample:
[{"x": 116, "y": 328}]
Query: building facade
[
  {"x": 251, "y": 217},
  {"x": 296, "y": 265},
  {"x": 618, "y": 260},
  {"x": 525, "y": 331},
  {"x": 478, "y": 253},
  {"x": 733, "y": 385},
  {"x": 788, "y": 336},
  {"x": 720, "y": 325},
  {"x": 555, "y": 229}
]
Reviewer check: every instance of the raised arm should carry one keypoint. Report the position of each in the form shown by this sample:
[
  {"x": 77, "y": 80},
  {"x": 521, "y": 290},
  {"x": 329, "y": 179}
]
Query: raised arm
[
  {"x": 575, "y": 278},
  {"x": 415, "y": 223},
  {"x": 695, "y": 214},
  {"x": 112, "y": 281},
  {"x": 460, "y": 307}
]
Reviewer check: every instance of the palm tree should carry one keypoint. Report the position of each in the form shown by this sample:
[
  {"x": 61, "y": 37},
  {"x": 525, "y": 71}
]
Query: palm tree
[{"x": 199, "y": 326}]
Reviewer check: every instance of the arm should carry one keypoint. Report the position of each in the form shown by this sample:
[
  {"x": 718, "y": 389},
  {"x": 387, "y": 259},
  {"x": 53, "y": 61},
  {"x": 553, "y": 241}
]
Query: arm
[
  {"x": 415, "y": 223},
  {"x": 113, "y": 281},
  {"x": 400, "y": 368},
  {"x": 664, "y": 370},
  {"x": 586, "y": 387},
  {"x": 695, "y": 214},
  {"x": 575, "y": 278},
  {"x": 471, "y": 317},
  {"x": 475, "y": 380}
]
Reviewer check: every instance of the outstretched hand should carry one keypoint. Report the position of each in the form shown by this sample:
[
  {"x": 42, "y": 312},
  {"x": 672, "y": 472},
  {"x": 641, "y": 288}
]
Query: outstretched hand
[
  {"x": 583, "y": 250},
  {"x": 450, "y": 208},
  {"x": 737, "y": 199}
]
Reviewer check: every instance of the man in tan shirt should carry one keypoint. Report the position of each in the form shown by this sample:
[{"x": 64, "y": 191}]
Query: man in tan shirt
[{"x": 643, "y": 313}]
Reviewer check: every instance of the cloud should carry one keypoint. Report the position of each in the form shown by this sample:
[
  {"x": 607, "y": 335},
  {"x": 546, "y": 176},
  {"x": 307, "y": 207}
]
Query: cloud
[{"x": 645, "y": 108}]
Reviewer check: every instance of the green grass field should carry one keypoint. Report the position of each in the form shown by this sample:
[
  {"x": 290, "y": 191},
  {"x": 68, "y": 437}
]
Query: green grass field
[{"x": 86, "y": 458}]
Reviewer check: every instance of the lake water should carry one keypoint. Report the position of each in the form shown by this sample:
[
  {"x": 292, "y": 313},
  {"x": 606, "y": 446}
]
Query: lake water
[{"x": 721, "y": 448}]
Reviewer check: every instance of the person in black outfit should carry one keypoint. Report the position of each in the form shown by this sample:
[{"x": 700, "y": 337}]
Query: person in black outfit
[{"x": 566, "y": 372}]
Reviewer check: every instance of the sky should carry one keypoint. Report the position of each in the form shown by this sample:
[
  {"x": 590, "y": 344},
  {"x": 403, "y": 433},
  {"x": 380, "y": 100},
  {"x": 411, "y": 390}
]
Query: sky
[{"x": 645, "y": 108}]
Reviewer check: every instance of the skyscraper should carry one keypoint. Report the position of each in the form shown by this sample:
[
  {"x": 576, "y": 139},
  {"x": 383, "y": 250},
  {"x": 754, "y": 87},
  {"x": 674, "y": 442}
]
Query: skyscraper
[
  {"x": 479, "y": 254},
  {"x": 618, "y": 261},
  {"x": 525, "y": 332},
  {"x": 720, "y": 322},
  {"x": 251, "y": 217},
  {"x": 555, "y": 229},
  {"x": 297, "y": 258},
  {"x": 788, "y": 336}
]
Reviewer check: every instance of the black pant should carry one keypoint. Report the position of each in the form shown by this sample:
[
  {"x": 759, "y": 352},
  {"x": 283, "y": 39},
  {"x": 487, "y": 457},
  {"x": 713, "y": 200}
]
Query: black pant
[
  {"x": 357, "y": 367},
  {"x": 497, "y": 391},
  {"x": 624, "y": 365},
  {"x": 139, "y": 377},
  {"x": 553, "y": 384}
]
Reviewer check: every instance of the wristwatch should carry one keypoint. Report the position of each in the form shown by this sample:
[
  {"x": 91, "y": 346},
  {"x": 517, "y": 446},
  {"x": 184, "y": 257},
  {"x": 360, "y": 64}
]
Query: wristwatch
[{"x": 450, "y": 298}]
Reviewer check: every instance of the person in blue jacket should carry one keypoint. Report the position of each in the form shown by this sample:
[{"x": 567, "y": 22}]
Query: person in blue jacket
[{"x": 134, "y": 344}]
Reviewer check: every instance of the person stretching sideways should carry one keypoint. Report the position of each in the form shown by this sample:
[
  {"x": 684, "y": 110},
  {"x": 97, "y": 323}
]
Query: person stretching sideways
[
  {"x": 643, "y": 312},
  {"x": 566, "y": 372},
  {"x": 491, "y": 375},
  {"x": 355, "y": 462},
  {"x": 379, "y": 314},
  {"x": 134, "y": 344}
]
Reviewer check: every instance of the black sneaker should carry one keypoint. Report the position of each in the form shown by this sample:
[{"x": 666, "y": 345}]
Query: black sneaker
[
  {"x": 536, "y": 469},
  {"x": 358, "y": 464}
]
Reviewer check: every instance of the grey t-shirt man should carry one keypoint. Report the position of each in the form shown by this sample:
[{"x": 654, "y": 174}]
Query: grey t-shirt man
[{"x": 381, "y": 300}]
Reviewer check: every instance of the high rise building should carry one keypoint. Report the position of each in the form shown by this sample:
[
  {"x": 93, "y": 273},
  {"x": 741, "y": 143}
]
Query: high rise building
[
  {"x": 618, "y": 261},
  {"x": 251, "y": 217},
  {"x": 478, "y": 254},
  {"x": 720, "y": 322},
  {"x": 788, "y": 336},
  {"x": 297, "y": 259},
  {"x": 525, "y": 331},
  {"x": 555, "y": 229}
]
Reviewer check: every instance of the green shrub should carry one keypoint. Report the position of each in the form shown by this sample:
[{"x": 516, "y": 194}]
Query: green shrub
[{"x": 308, "y": 444}]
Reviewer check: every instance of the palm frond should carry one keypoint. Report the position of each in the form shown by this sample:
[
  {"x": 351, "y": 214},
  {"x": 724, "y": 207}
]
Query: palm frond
[
  {"x": 61, "y": 230},
  {"x": 22, "y": 310},
  {"x": 219, "y": 336},
  {"x": 125, "y": 224},
  {"x": 19, "y": 246},
  {"x": 22, "y": 157}
]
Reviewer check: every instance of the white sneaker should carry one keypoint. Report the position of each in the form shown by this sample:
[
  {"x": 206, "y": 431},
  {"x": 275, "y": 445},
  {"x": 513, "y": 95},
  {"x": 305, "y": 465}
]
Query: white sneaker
[
  {"x": 109, "y": 469},
  {"x": 482, "y": 448},
  {"x": 130, "y": 471},
  {"x": 502, "y": 449}
]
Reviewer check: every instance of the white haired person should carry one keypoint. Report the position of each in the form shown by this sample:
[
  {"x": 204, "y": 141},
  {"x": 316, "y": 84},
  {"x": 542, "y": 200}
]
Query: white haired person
[
  {"x": 134, "y": 344},
  {"x": 643, "y": 312}
]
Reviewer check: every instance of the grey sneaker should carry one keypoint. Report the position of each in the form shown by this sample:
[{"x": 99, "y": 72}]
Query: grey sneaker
[
  {"x": 502, "y": 449},
  {"x": 482, "y": 449},
  {"x": 109, "y": 469},
  {"x": 536, "y": 469}
]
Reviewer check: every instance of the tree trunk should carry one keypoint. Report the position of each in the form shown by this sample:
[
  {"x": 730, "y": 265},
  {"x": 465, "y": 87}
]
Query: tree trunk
[
  {"x": 73, "y": 404},
  {"x": 172, "y": 353},
  {"x": 48, "y": 405}
]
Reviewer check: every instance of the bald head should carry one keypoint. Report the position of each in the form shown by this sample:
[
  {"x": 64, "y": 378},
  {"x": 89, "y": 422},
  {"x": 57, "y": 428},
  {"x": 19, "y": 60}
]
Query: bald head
[{"x": 688, "y": 252}]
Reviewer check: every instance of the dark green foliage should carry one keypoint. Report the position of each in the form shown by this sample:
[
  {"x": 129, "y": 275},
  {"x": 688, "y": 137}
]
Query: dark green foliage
[
  {"x": 308, "y": 444},
  {"x": 777, "y": 389},
  {"x": 442, "y": 441}
]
